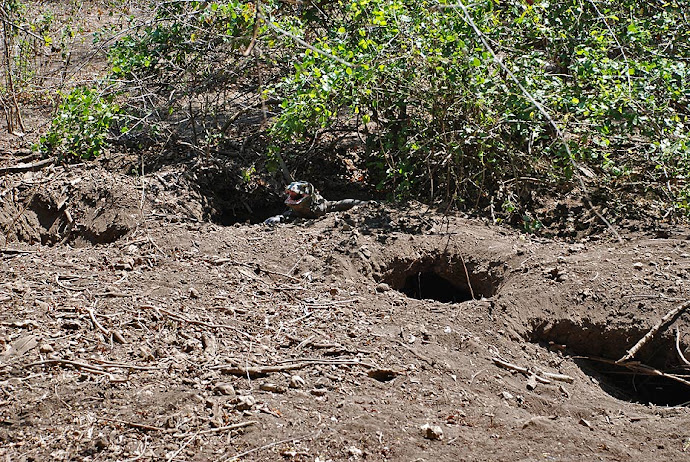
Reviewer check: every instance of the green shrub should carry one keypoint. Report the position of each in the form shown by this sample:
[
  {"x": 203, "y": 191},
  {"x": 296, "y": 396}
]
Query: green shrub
[{"x": 80, "y": 128}]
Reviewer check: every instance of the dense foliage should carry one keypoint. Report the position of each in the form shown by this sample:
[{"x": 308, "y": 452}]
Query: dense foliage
[{"x": 436, "y": 91}]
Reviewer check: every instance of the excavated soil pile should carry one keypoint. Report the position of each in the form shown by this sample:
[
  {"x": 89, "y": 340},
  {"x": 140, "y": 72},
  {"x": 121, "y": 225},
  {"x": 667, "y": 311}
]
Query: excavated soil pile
[{"x": 132, "y": 328}]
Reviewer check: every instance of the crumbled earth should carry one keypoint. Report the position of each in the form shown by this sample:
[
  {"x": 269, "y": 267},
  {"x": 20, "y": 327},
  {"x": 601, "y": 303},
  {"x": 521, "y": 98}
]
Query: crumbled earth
[{"x": 132, "y": 328}]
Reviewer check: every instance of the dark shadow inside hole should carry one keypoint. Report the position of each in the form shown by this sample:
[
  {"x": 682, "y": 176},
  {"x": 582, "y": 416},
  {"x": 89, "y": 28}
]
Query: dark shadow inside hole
[
  {"x": 595, "y": 347},
  {"x": 429, "y": 285},
  {"x": 636, "y": 387}
]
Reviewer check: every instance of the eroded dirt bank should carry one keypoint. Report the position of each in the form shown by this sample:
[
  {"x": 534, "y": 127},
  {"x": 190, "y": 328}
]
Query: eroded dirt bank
[{"x": 133, "y": 329}]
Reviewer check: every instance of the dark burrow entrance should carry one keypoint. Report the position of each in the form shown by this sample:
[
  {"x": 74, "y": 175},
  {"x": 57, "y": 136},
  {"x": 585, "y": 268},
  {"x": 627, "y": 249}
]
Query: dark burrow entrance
[
  {"x": 595, "y": 348},
  {"x": 444, "y": 278}
]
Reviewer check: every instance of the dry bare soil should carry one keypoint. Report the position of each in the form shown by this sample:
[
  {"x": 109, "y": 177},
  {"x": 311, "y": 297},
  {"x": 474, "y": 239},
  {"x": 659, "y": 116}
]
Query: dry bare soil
[
  {"x": 136, "y": 327},
  {"x": 133, "y": 329}
]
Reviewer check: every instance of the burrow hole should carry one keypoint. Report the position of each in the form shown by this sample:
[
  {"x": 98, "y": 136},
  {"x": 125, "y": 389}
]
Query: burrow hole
[
  {"x": 596, "y": 347},
  {"x": 443, "y": 277}
]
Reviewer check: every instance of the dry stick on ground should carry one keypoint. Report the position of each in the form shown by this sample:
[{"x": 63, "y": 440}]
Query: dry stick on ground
[
  {"x": 680, "y": 353},
  {"x": 669, "y": 317},
  {"x": 640, "y": 368},
  {"x": 179, "y": 317},
  {"x": 548, "y": 376},
  {"x": 27, "y": 167},
  {"x": 115, "y": 335},
  {"x": 79, "y": 365},
  {"x": 270, "y": 445},
  {"x": 467, "y": 275},
  {"x": 218, "y": 429},
  {"x": 221, "y": 261},
  {"x": 258, "y": 371},
  {"x": 134, "y": 425}
]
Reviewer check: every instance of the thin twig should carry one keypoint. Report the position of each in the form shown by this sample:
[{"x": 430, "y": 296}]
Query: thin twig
[
  {"x": 85, "y": 367},
  {"x": 174, "y": 455},
  {"x": 680, "y": 353},
  {"x": 179, "y": 317},
  {"x": 17, "y": 168},
  {"x": 134, "y": 425},
  {"x": 220, "y": 261},
  {"x": 108, "y": 334},
  {"x": 218, "y": 429},
  {"x": 669, "y": 317},
  {"x": 257, "y": 371},
  {"x": 270, "y": 445},
  {"x": 467, "y": 275},
  {"x": 640, "y": 368},
  {"x": 520, "y": 369},
  {"x": 76, "y": 289}
]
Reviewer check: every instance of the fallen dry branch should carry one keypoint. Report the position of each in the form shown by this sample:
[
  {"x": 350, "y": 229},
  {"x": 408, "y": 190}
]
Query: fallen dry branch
[
  {"x": 680, "y": 353},
  {"x": 218, "y": 429},
  {"x": 100, "y": 368},
  {"x": 84, "y": 367},
  {"x": 557, "y": 377},
  {"x": 668, "y": 318},
  {"x": 27, "y": 167},
  {"x": 134, "y": 425},
  {"x": 545, "y": 377},
  {"x": 257, "y": 371},
  {"x": 179, "y": 317},
  {"x": 640, "y": 368},
  {"x": 115, "y": 335},
  {"x": 338, "y": 362},
  {"x": 270, "y": 445},
  {"x": 220, "y": 261}
]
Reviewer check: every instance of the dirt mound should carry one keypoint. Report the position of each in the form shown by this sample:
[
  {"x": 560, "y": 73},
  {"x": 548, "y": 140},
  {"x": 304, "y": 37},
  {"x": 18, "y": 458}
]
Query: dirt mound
[{"x": 135, "y": 328}]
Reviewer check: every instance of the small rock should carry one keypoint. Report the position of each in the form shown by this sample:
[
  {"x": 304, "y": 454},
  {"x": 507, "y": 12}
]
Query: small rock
[
  {"x": 319, "y": 391},
  {"x": 382, "y": 287},
  {"x": 225, "y": 388},
  {"x": 208, "y": 342},
  {"x": 586, "y": 424},
  {"x": 432, "y": 432},
  {"x": 354, "y": 452},
  {"x": 46, "y": 348},
  {"x": 193, "y": 293},
  {"x": 538, "y": 421},
  {"x": 272, "y": 387},
  {"x": 506, "y": 395},
  {"x": 244, "y": 402},
  {"x": 638, "y": 265},
  {"x": 575, "y": 248},
  {"x": 297, "y": 382}
]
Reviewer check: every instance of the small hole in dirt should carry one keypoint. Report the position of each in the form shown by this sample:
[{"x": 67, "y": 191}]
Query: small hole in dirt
[
  {"x": 443, "y": 277},
  {"x": 596, "y": 347},
  {"x": 428, "y": 285}
]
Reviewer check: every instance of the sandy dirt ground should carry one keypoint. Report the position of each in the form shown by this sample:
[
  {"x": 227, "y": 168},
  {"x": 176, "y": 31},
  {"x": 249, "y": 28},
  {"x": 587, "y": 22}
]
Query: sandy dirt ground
[{"x": 132, "y": 329}]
